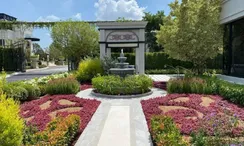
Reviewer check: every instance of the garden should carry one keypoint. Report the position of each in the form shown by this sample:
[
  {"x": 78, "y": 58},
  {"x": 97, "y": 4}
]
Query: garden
[{"x": 197, "y": 111}]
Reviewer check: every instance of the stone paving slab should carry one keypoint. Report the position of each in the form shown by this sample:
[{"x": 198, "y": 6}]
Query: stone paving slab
[{"x": 139, "y": 134}]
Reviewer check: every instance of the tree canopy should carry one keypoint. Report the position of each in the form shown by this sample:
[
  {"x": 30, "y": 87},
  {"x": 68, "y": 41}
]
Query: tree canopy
[
  {"x": 191, "y": 32},
  {"x": 75, "y": 40},
  {"x": 154, "y": 22}
]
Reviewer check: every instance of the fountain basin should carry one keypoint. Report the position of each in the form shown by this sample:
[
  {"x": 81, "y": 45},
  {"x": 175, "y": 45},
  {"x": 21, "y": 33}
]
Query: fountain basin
[{"x": 122, "y": 72}]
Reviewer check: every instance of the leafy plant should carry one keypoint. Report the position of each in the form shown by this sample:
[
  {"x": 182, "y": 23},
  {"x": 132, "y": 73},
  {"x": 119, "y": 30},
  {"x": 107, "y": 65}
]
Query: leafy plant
[
  {"x": 189, "y": 85},
  {"x": 115, "y": 85},
  {"x": 89, "y": 68},
  {"x": 33, "y": 91},
  {"x": 217, "y": 129},
  {"x": 165, "y": 132},
  {"x": 108, "y": 63},
  {"x": 11, "y": 125},
  {"x": 60, "y": 131},
  {"x": 62, "y": 86}
]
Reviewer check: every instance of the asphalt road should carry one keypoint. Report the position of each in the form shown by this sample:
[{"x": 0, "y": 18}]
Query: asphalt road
[{"x": 30, "y": 74}]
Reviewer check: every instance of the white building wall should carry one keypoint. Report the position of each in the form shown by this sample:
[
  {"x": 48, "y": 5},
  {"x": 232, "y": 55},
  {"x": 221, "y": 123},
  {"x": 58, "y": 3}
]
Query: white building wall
[
  {"x": 231, "y": 10},
  {"x": 16, "y": 34}
]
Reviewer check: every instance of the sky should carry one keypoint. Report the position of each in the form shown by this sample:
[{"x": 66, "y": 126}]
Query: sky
[{"x": 84, "y": 10}]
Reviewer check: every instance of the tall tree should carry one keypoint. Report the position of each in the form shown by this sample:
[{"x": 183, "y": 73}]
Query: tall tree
[
  {"x": 154, "y": 22},
  {"x": 54, "y": 52},
  {"x": 191, "y": 32},
  {"x": 75, "y": 40},
  {"x": 37, "y": 50}
]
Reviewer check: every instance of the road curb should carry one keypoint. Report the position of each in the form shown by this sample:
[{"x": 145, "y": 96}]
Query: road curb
[{"x": 16, "y": 73}]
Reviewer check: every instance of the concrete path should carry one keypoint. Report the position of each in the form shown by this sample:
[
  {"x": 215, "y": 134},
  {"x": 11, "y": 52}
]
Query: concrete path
[
  {"x": 231, "y": 79},
  {"x": 164, "y": 78},
  {"x": 30, "y": 74},
  {"x": 117, "y": 122}
]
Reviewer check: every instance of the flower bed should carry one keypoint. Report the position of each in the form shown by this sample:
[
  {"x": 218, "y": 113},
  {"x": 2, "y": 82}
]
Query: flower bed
[
  {"x": 189, "y": 110},
  {"x": 160, "y": 85},
  {"x": 40, "y": 112},
  {"x": 85, "y": 86}
]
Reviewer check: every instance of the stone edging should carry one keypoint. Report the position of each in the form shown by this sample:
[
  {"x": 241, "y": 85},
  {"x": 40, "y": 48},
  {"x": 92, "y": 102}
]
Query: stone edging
[{"x": 120, "y": 96}]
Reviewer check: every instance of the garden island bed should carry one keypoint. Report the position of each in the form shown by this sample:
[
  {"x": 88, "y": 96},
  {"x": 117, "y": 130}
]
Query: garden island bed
[
  {"x": 192, "y": 112},
  {"x": 41, "y": 112},
  {"x": 117, "y": 87}
]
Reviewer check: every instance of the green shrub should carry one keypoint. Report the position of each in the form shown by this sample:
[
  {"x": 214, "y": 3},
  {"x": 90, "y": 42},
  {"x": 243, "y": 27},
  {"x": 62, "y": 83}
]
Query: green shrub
[
  {"x": 33, "y": 91},
  {"x": 15, "y": 92},
  {"x": 67, "y": 85},
  {"x": 115, "y": 85},
  {"x": 89, "y": 68},
  {"x": 11, "y": 125},
  {"x": 165, "y": 133},
  {"x": 42, "y": 89},
  {"x": 189, "y": 85},
  {"x": 108, "y": 63}
]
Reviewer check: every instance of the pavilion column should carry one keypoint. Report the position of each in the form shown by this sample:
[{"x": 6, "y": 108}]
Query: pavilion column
[
  {"x": 31, "y": 47},
  {"x": 102, "y": 44},
  {"x": 108, "y": 52},
  {"x": 102, "y": 51},
  {"x": 140, "y": 59}
]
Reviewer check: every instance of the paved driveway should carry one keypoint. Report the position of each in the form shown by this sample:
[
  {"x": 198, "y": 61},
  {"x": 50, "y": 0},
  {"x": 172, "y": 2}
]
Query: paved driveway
[{"x": 37, "y": 73}]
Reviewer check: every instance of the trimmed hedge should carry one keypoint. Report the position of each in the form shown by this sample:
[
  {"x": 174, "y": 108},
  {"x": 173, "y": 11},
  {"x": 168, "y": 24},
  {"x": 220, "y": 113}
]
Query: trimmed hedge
[{"x": 159, "y": 60}]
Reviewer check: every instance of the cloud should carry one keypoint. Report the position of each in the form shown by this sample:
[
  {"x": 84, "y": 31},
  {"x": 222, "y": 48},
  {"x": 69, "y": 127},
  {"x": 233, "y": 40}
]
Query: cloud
[
  {"x": 49, "y": 18},
  {"x": 112, "y": 9},
  {"x": 48, "y": 34},
  {"x": 77, "y": 16},
  {"x": 53, "y": 18}
]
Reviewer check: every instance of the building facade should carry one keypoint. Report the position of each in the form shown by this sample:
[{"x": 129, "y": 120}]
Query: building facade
[
  {"x": 12, "y": 35},
  {"x": 232, "y": 18}
]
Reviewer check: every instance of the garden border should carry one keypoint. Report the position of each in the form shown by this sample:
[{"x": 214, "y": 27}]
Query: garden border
[{"x": 121, "y": 96}]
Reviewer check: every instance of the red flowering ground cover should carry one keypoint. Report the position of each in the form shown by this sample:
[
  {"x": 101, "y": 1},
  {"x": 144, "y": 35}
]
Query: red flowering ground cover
[
  {"x": 40, "y": 112},
  {"x": 188, "y": 110},
  {"x": 85, "y": 86},
  {"x": 160, "y": 85}
]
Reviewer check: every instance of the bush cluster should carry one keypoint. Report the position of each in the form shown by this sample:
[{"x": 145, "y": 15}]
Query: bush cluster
[
  {"x": 115, "y": 85},
  {"x": 208, "y": 85},
  {"x": 60, "y": 131},
  {"x": 158, "y": 60},
  {"x": 11, "y": 125},
  {"x": 21, "y": 91},
  {"x": 230, "y": 91},
  {"x": 89, "y": 68},
  {"x": 165, "y": 132},
  {"x": 67, "y": 85},
  {"x": 189, "y": 85}
]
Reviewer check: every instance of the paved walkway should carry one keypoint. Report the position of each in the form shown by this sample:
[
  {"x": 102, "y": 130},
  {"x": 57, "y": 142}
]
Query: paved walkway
[
  {"x": 35, "y": 73},
  {"x": 117, "y": 122}
]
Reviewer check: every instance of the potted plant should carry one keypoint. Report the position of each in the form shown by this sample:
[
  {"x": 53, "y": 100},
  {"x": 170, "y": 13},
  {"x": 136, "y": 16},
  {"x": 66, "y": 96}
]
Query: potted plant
[
  {"x": 34, "y": 61},
  {"x": 34, "y": 58}
]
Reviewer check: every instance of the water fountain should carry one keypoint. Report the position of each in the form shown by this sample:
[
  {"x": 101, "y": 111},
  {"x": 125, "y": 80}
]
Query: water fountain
[{"x": 123, "y": 68}]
